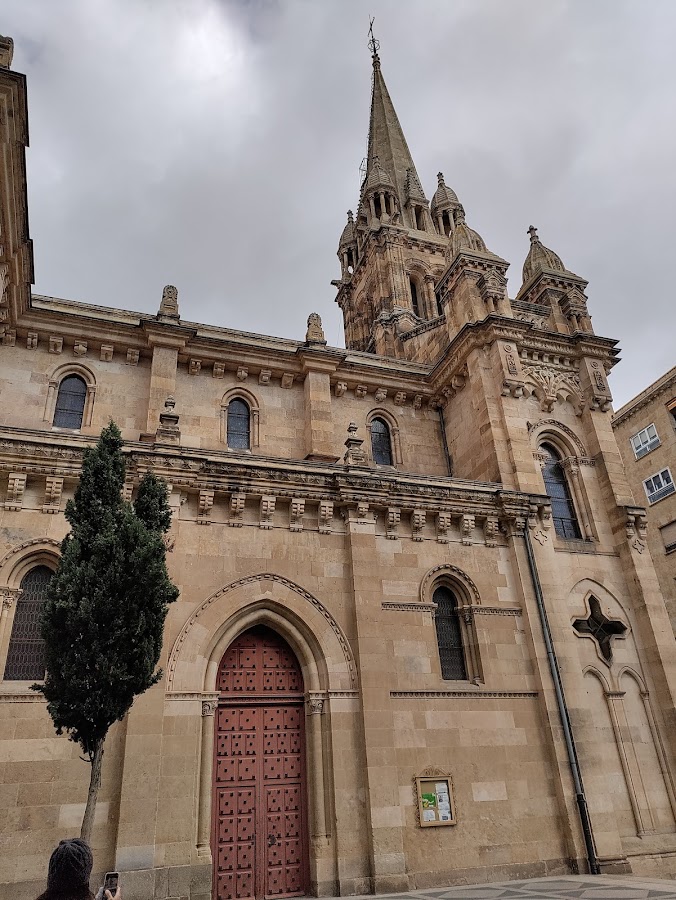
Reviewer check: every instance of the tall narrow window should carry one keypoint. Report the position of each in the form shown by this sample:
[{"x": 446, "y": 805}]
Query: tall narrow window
[
  {"x": 70, "y": 402},
  {"x": 239, "y": 425},
  {"x": 563, "y": 510},
  {"x": 415, "y": 303},
  {"x": 449, "y": 635},
  {"x": 381, "y": 444},
  {"x": 26, "y": 654}
]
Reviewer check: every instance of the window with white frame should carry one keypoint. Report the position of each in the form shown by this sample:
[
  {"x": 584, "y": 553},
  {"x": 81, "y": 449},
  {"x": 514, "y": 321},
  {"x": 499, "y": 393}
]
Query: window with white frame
[
  {"x": 668, "y": 533},
  {"x": 659, "y": 486},
  {"x": 645, "y": 441}
]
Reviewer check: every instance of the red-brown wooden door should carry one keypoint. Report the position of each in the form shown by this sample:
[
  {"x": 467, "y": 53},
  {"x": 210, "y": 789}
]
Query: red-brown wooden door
[{"x": 260, "y": 834}]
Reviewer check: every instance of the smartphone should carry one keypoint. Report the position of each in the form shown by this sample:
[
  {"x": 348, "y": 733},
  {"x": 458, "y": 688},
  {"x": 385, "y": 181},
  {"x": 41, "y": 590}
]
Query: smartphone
[{"x": 110, "y": 883}]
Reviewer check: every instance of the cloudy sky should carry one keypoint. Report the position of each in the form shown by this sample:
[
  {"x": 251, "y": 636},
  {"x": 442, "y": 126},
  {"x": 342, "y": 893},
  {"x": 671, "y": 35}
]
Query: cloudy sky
[{"x": 215, "y": 145}]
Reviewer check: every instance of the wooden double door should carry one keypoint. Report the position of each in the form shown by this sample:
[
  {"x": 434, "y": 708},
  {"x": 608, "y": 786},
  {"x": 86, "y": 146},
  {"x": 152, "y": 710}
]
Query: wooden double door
[{"x": 260, "y": 846}]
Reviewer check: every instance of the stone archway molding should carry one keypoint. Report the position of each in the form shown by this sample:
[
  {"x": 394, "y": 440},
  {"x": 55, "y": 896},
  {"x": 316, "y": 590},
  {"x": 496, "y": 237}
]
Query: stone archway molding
[
  {"x": 199, "y": 639},
  {"x": 18, "y": 560}
]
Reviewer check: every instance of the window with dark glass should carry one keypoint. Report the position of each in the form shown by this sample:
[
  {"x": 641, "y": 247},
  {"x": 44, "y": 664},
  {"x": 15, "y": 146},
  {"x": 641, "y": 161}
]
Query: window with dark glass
[
  {"x": 449, "y": 635},
  {"x": 239, "y": 425},
  {"x": 381, "y": 445},
  {"x": 26, "y": 654},
  {"x": 415, "y": 305},
  {"x": 556, "y": 485},
  {"x": 70, "y": 402}
]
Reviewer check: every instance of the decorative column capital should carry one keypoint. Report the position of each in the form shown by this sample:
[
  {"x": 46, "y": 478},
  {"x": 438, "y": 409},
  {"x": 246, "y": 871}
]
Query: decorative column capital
[
  {"x": 209, "y": 704},
  {"x": 8, "y": 596},
  {"x": 315, "y": 706}
]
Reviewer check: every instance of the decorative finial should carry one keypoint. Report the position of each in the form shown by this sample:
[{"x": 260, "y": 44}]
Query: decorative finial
[
  {"x": 6, "y": 52},
  {"x": 373, "y": 44},
  {"x": 460, "y": 216},
  {"x": 440, "y": 179},
  {"x": 315, "y": 332},
  {"x": 533, "y": 232},
  {"x": 350, "y": 216},
  {"x": 169, "y": 302},
  {"x": 354, "y": 454}
]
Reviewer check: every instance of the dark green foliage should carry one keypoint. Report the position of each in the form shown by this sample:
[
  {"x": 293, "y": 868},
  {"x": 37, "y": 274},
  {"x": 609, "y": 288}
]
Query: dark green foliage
[{"x": 104, "y": 615}]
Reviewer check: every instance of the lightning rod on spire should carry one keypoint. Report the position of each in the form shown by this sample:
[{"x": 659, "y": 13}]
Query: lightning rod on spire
[{"x": 373, "y": 44}]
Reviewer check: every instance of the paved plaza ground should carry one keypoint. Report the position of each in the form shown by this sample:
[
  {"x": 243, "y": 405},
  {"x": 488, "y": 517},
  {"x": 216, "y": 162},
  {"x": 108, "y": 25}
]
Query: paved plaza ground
[{"x": 563, "y": 887}]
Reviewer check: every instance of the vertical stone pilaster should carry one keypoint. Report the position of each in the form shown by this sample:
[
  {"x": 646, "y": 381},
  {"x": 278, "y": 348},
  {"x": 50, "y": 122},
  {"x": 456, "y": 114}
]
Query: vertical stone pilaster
[
  {"x": 165, "y": 343},
  {"x": 385, "y": 816},
  {"x": 319, "y": 437}
]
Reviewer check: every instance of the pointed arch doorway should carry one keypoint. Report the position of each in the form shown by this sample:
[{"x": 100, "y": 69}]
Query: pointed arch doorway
[{"x": 259, "y": 832}]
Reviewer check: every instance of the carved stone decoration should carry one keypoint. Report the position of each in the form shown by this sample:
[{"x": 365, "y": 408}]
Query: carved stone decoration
[
  {"x": 242, "y": 373},
  {"x": 168, "y": 431},
  {"x": 194, "y": 366},
  {"x": 400, "y": 398},
  {"x": 296, "y": 512},
  {"x": 360, "y": 391},
  {"x": 80, "y": 348},
  {"x": 9, "y": 337},
  {"x": 341, "y": 387},
  {"x": 362, "y": 509},
  {"x": 315, "y": 706},
  {"x": 264, "y": 376},
  {"x": 205, "y": 503},
  {"x": 32, "y": 340},
  {"x": 638, "y": 545},
  {"x": 325, "y": 515},
  {"x": 491, "y": 531},
  {"x": 466, "y": 528},
  {"x": 267, "y": 509},
  {"x": 540, "y": 536},
  {"x": 8, "y": 597},
  {"x": 53, "y": 491},
  {"x": 393, "y": 519},
  {"x": 287, "y": 380},
  {"x": 444, "y": 521},
  {"x": 16, "y": 486},
  {"x": 132, "y": 357},
  {"x": 637, "y": 523},
  {"x": 218, "y": 370},
  {"x": 55, "y": 344},
  {"x": 237, "y": 503},
  {"x": 549, "y": 383},
  {"x": 417, "y": 401},
  {"x": 418, "y": 520},
  {"x": 107, "y": 351},
  {"x": 380, "y": 395},
  {"x": 169, "y": 302},
  {"x": 355, "y": 455},
  {"x": 209, "y": 707},
  {"x": 315, "y": 332}
]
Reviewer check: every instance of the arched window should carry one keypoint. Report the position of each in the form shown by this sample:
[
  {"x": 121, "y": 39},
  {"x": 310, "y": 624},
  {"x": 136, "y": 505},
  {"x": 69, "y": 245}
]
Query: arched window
[
  {"x": 381, "y": 444},
  {"x": 449, "y": 635},
  {"x": 26, "y": 654},
  {"x": 563, "y": 510},
  {"x": 415, "y": 303},
  {"x": 239, "y": 425},
  {"x": 70, "y": 402}
]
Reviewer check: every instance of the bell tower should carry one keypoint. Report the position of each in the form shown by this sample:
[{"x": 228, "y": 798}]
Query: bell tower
[{"x": 393, "y": 251}]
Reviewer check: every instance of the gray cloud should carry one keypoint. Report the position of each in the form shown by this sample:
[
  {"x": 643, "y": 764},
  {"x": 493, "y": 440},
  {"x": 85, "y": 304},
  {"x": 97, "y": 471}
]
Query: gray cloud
[{"x": 216, "y": 145}]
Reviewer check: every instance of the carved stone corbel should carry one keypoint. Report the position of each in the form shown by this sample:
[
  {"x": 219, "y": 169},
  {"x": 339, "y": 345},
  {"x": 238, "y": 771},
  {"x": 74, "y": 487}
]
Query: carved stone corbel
[
  {"x": 296, "y": 512},
  {"x": 267, "y": 509},
  {"x": 16, "y": 486},
  {"x": 237, "y": 503},
  {"x": 53, "y": 491},
  {"x": 204, "y": 506},
  {"x": 393, "y": 519},
  {"x": 418, "y": 521},
  {"x": 325, "y": 516}
]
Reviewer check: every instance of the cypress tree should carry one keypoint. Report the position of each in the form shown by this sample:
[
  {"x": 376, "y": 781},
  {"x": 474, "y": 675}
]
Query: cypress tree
[{"x": 103, "y": 618}]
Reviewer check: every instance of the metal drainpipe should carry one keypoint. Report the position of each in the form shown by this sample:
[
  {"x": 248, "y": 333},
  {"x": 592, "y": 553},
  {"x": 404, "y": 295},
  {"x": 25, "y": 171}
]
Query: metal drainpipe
[
  {"x": 585, "y": 821},
  {"x": 444, "y": 441}
]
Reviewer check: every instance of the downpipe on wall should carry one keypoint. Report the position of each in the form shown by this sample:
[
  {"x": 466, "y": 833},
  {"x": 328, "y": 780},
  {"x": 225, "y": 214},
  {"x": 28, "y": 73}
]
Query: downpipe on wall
[{"x": 583, "y": 809}]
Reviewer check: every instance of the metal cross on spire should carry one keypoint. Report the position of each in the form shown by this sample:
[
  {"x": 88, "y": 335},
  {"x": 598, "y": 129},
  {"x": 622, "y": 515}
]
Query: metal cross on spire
[{"x": 373, "y": 44}]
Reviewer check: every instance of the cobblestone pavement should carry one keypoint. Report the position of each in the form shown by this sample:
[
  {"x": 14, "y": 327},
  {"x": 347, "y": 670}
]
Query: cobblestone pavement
[{"x": 566, "y": 887}]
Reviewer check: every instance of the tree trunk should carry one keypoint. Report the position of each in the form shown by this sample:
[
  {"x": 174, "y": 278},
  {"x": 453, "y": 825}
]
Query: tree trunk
[{"x": 94, "y": 785}]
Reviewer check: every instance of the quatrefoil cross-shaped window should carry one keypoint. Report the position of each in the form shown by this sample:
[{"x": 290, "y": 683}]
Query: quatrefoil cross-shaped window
[{"x": 601, "y": 628}]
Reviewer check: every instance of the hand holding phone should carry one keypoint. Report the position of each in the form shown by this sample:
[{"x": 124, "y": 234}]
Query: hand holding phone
[{"x": 111, "y": 886}]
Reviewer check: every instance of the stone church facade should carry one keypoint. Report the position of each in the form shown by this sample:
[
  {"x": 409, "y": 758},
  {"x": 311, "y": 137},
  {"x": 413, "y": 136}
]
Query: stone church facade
[{"x": 419, "y": 639}]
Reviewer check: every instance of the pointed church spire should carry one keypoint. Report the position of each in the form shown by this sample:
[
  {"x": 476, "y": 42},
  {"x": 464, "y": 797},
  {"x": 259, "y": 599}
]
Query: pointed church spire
[{"x": 386, "y": 138}]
